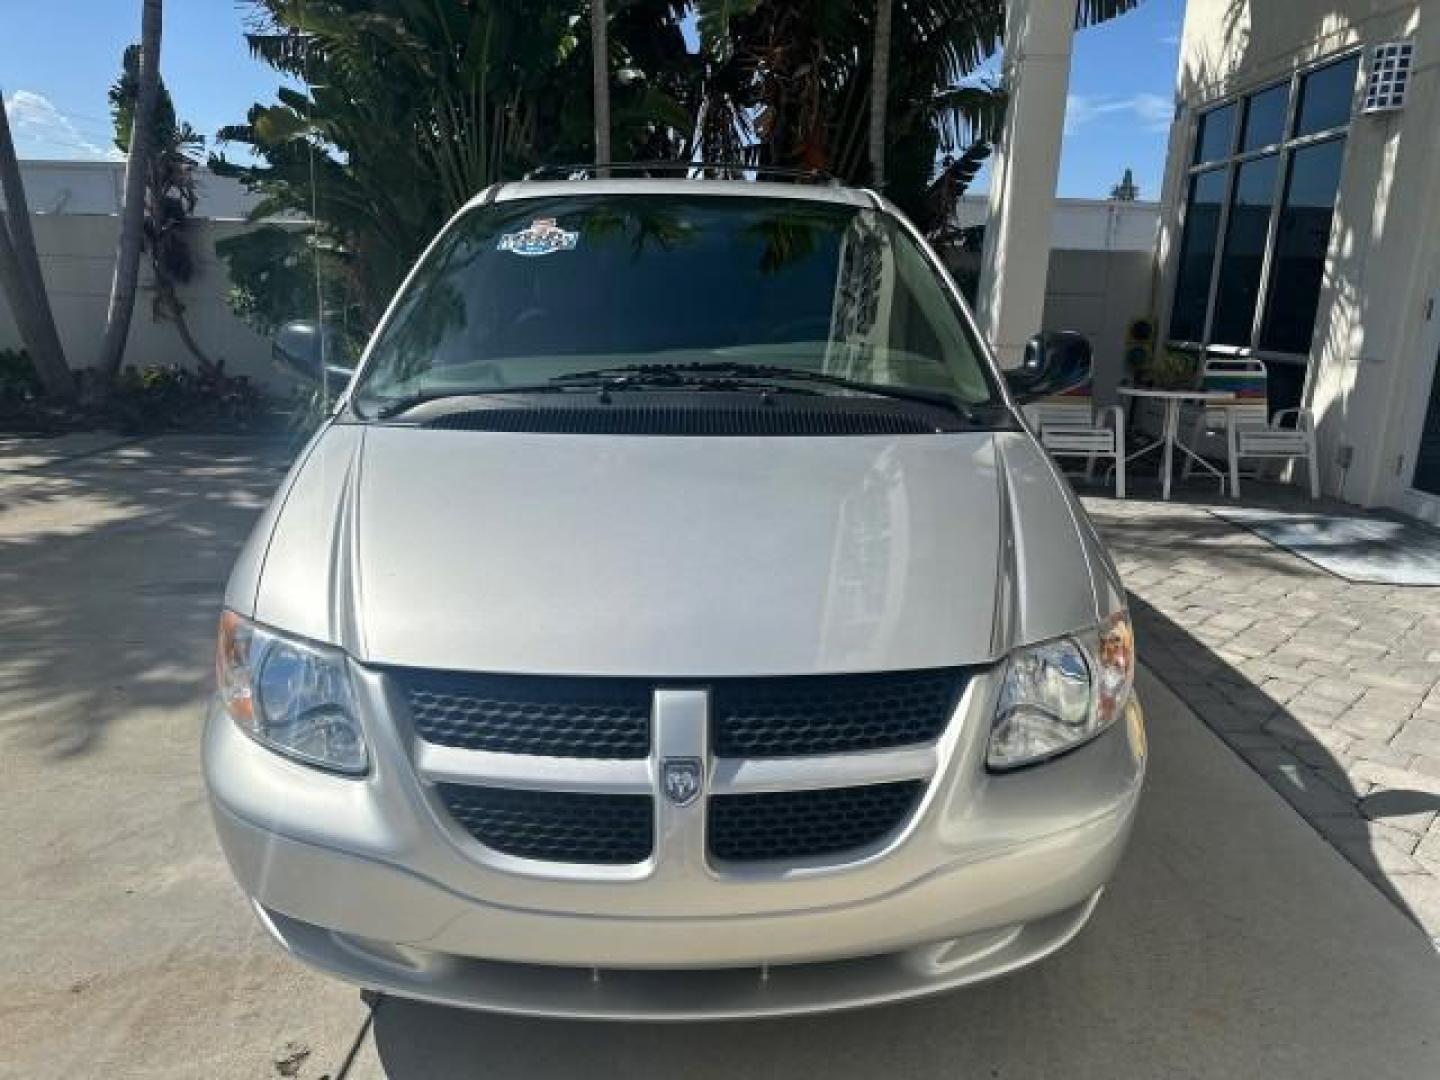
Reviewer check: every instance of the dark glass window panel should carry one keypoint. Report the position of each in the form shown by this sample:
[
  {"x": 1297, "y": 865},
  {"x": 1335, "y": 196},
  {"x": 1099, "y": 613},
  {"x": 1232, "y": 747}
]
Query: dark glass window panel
[
  {"x": 1284, "y": 386},
  {"x": 1326, "y": 95},
  {"x": 1244, "y": 253},
  {"x": 1215, "y": 134},
  {"x": 1265, "y": 117},
  {"x": 1197, "y": 255},
  {"x": 1427, "y": 461},
  {"x": 1301, "y": 239}
]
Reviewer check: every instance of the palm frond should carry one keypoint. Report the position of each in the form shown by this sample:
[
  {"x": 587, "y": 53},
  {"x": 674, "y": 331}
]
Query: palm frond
[
  {"x": 285, "y": 52},
  {"x": 956, "y": 175},
  {"x": 1091, "y": 12},
  {"x": 950, "y": 39},
  {"x": 964, "y": 114},
  {"x": 713, "y": 19}
]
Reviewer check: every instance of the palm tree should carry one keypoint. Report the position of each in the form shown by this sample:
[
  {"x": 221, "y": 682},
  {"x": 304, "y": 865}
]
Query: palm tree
[
  {"x": 793, "y": 83},
  {"x": 879, "y": 92},
  {"x": 803, "y": 82},
  {"x": 170, "y": 197},
  {"x": 20, "y": 278},
  {"x": 414, "y": 106},
  {"x": 132, "y": 213},
  {"x": 600, "y": 79}
]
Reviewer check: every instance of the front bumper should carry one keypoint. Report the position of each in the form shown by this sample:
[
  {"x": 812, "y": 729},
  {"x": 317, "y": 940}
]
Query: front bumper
[
  {"x": 355, "y": 878},
  {"x": 676, "y": 994}
]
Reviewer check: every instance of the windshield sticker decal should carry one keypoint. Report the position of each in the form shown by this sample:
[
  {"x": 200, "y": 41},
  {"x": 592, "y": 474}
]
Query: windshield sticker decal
[{"x": 543, "y": 237}]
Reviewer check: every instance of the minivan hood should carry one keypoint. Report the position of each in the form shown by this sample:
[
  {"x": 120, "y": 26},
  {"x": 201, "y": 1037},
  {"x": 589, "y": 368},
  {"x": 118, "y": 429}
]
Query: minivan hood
[{"x": 671, "y": 557}]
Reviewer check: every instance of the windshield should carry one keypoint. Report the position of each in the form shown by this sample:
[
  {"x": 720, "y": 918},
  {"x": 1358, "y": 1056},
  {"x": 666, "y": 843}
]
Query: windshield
[{"x": 525, "y": 293}]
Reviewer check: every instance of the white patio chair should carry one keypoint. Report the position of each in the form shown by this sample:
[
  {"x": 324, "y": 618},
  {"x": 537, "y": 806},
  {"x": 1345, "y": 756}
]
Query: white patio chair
[
  {"x": 1275, "y": 441},
  {"x": 1246, "y": 424},
  {"x": 1248, "y": 380},
  {"x": 1070, "y": 426}
]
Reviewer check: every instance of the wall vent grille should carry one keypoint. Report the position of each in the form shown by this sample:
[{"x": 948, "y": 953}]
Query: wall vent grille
[{"x": 1388, "y": 80}]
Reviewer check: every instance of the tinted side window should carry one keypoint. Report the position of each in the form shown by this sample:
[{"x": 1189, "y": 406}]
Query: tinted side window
[
  {"x": 1302, "y": 238},
  {"x": 1197, "y": 255},
  {"x": 1215, "y": 134},
  {"x": 1326, "y": 95}
]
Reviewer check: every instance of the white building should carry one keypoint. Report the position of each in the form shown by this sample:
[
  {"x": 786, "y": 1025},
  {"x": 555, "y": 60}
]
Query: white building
[
  {"x": 1300, "y": 217},
  {"x": 1302, "y": 223}
]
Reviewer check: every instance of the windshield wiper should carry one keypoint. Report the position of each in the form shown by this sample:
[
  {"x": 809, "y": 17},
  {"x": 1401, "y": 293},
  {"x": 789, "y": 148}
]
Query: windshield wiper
[
  {"x": 602, "y": 382},
  {"x": 392, "y": 409},
  {"x": 681, "y": 374}
]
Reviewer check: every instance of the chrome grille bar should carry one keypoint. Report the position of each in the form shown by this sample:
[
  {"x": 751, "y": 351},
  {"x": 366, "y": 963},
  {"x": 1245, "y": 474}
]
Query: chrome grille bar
[
  {"x": 741, "y": 776},
  {"x": 596, "y": 776},
  {"x": 728, "y": 776}
]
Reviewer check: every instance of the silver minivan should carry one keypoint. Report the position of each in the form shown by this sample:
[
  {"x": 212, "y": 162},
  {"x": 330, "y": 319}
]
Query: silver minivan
[{"x": 676, "y": 619}]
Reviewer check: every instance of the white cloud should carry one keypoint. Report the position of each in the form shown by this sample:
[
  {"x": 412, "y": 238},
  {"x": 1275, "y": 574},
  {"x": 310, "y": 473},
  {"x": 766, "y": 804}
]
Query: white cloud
[
  {"x": 1152, "y": 112},
  {"x": 43, "y": 131}
]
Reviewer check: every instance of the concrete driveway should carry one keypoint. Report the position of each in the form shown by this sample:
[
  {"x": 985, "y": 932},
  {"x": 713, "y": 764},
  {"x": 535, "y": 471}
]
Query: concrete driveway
[{"x": 1235, "y": 942}]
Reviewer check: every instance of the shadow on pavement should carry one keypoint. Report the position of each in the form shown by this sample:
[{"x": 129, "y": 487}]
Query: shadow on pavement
[
  {"x": 1284, "y": 751},
  {"x": 97, "y": 623},
  {"x": 1376, "y": 827}
]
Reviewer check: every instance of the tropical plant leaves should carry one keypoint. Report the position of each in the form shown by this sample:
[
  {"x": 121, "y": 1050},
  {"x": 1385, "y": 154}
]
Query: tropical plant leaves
[
  {"x": 410, "y": 107},
  {"x": 713, "y": 20},
  {"x": 964, "y": 114}
]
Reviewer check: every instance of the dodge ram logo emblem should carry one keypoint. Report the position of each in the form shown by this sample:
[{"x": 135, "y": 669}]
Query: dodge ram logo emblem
[{"x": 680, "y": 777}]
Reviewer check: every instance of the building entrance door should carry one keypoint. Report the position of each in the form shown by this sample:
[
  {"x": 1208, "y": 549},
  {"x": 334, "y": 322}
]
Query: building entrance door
[{"x": 1422, "y": 496}]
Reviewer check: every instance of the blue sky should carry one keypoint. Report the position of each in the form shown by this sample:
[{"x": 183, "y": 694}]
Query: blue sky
[{"x": 58, "y": 58}]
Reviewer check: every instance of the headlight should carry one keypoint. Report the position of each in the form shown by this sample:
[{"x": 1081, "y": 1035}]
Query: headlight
[
  {"x": 289, "y": 695},
  {"x": 1061, "y": 693}
]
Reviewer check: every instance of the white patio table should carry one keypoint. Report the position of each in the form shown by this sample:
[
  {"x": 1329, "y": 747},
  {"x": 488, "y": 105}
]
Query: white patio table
[{"x": 1169, "y": 439}]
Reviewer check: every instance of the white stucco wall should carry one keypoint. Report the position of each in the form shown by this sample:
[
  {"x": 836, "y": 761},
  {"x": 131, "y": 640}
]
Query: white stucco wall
[
  {"x": 96, "y": 187},
  {"x": 1369, "y": 363},
  {"x": 77, "y": 256},
  {"x": 1084, "y": 224},
  {"x": 1099, "y": 293},
  {"x": 74, "y": 208}
]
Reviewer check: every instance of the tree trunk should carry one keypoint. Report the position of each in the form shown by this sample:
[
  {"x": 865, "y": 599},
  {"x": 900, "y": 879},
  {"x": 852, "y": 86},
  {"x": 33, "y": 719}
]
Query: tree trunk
[
  {"x": 174, "y": 311},
  {"x": 132, "y": 213},
  {"x": 600, "y": 78},
  {"x": 879, "y": 93},
  {"x": 20, "y": 278},
  {"x": 15, "y": 285}
]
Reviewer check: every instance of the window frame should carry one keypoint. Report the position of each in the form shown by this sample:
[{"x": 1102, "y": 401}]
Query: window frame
[{"x": 1230, "y": 162}]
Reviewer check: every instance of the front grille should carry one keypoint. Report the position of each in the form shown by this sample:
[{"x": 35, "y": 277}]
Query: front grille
[
  {"x": 521, "y": 809},
  {"x": 807, "y": 824},
  {"x": 557, "y": 826},
  {"x": 515, "y": 714},
  {"x": 831, "y": 714}
]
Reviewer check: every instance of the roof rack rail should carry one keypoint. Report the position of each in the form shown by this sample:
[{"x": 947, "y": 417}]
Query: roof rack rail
[{"x": 688, "y": 170}]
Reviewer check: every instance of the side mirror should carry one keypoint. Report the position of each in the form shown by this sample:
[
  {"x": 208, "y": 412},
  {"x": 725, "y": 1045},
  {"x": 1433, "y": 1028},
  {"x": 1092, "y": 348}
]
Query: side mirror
[
  {"x": 301, "y": 347},
  {"x": 1054, "y": 363}
]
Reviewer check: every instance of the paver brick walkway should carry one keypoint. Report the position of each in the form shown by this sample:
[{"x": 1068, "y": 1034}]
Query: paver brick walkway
[{"x": 1329, "y": 689}]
